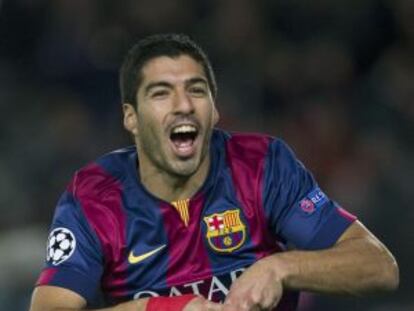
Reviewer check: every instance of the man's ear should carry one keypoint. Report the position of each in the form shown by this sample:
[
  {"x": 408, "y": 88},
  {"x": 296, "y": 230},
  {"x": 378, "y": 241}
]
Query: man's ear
[
  {"x": 130, "y": 118},
  {"x": 216, "y": 115}
]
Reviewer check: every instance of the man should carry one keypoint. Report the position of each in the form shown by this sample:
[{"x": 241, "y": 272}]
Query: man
[{"x": 195, "y": 218}]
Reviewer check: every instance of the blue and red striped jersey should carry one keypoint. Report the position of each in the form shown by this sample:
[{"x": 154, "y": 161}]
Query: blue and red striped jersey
[{"x": 110, "y": 235}]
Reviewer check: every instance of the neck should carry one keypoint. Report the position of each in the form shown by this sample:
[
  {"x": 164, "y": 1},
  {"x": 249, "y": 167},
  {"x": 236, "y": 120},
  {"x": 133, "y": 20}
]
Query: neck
[{"x": 169, "y": 187}]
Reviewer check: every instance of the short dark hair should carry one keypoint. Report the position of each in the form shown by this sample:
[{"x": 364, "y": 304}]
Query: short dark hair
[{"x": 171, "y": 45}]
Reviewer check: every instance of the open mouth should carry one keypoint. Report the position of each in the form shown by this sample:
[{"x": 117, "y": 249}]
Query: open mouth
[{"x": 183, "y": 138}]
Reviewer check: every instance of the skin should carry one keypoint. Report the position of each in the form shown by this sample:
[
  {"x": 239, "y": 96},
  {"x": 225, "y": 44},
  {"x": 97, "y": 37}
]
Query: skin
[
  {"x": 51, "y": 298},
  {"x": 172, "y": 91},
  {"x": 175, "y": 90},
  {"x": 358, "y": 264}
]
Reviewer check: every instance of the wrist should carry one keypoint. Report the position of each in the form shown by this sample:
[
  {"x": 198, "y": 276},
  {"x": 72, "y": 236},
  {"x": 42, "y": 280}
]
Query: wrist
[
  {"x": 282, "y": 268},
  {"x": 176, "y": 303}
]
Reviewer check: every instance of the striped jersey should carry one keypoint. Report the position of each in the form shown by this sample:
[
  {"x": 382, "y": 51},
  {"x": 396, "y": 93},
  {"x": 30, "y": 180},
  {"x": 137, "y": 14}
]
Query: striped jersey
[{"x": 112, "y": 238}]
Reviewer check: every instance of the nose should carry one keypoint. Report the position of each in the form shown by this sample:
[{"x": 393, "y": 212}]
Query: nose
[{"x": 183, "y": 103}]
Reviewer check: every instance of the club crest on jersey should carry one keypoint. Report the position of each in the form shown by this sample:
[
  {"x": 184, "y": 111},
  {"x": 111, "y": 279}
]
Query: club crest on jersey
[{"x": 225, "y": 231}]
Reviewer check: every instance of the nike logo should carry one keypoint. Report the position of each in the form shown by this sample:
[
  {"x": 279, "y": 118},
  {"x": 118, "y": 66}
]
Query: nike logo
[{"x": 132, "y": 259}]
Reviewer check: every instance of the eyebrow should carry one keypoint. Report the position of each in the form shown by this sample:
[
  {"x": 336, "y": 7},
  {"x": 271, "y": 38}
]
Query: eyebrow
[
  {"x": 196, "y": 80},
  {"x": 166, "y": 84}
]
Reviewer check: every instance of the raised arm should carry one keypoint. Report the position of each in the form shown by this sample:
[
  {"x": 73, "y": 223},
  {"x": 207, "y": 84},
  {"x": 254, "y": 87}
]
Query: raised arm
[{"x": 357, "y": 264}]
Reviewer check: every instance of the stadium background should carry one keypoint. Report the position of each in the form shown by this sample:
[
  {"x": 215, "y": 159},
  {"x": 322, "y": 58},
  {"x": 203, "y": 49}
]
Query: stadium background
[{"x": 333, "y": 78}]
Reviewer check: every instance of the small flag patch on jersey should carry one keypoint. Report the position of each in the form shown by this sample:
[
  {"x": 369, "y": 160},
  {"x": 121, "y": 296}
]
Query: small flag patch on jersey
[
  {"x": 314, "y": 200},
  {"x": 182, "y": 208},
  {"x": 225, "y": 231}
]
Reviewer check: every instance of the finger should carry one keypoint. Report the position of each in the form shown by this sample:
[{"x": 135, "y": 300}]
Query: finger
[
  {"x": 234, "y": 301},
  {"x": 242, "y": 304},
  {"x": 264, "y": 297},
  {"x": 235, "y": 294},
  {"x": 229, "y": 308},
  {"x": 271, "y": 300},
  {"x": 212, "y": 306}
]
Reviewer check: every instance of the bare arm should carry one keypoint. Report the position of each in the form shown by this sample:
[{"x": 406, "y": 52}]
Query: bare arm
[
  {"x": 52, "y": 298},
  {"x": 357, "y": 264}
]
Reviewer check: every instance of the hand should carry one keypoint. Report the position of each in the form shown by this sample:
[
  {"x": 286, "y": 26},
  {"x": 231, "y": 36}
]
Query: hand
[
  {"x": 202, "y": 304},
  {"x": 258, "y": 288}
]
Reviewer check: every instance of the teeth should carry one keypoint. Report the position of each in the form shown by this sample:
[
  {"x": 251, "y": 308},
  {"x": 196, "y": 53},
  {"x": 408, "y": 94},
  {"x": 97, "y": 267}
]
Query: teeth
[{"x": 184, "y": 129}]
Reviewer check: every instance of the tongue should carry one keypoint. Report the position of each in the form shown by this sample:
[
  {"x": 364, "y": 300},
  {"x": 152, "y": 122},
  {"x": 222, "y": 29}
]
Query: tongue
[{"x": 183, "y": 142}]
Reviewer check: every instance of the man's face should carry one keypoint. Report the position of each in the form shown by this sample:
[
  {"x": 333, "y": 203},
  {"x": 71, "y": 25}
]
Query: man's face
[{"x": 174, "y": 117}]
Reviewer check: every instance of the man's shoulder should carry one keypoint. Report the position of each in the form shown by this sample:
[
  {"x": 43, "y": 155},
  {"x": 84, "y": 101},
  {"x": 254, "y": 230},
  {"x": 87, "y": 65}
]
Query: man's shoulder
[
  {"x": 242, "y": 144},
  {"x": 254, "y": 148},
  {"x": 105, "y": 172}
]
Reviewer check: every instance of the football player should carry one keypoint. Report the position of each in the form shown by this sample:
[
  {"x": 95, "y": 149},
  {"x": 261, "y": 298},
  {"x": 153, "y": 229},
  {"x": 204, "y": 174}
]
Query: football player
[{"x": 192, "y": 217}]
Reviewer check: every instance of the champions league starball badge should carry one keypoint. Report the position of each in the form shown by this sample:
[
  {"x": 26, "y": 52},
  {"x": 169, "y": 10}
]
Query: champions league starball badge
[{"x": 61, "y": 245}]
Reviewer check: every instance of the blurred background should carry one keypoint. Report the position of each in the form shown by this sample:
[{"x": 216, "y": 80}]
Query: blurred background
[{"x": 335, "y": 79}]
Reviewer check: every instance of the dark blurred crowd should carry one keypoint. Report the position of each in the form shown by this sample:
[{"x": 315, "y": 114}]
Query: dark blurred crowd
[{"x": 335, "y": 79}]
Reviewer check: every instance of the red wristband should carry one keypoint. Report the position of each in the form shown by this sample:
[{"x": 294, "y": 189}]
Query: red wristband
[{"x": 176, "y": 303}]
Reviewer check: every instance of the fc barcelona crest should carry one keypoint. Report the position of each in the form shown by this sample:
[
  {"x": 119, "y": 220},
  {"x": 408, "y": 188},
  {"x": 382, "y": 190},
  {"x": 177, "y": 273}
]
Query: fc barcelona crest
[{"x": 225, "y": 231}]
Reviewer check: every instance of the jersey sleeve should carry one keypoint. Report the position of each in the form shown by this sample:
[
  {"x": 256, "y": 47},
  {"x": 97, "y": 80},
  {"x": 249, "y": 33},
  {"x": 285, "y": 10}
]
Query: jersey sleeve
[
  {"x": 297, "y": 210},
  {"x": 74, "y": 257}
]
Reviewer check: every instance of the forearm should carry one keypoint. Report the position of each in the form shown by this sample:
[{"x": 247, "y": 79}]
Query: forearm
[
  {"x": 51, "y": 298},
  {"x": 134, "y": 305},
  {"x": 355, "y": 266}
]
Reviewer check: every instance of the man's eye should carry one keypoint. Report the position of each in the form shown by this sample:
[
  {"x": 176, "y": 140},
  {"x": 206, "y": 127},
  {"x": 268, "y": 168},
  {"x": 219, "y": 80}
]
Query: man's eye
[
  {"x": 160, "y": 93},
  {"x": 198, "y": 91}
]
